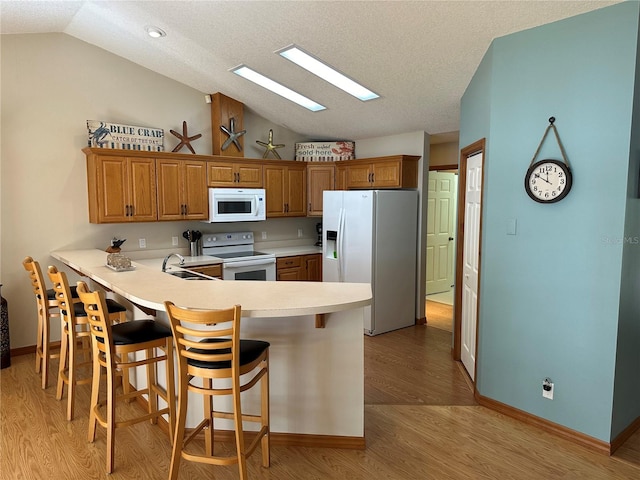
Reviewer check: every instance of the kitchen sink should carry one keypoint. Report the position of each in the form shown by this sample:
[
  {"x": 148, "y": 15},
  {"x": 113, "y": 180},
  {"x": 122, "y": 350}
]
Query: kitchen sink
[{"x": 188, "y": 275}]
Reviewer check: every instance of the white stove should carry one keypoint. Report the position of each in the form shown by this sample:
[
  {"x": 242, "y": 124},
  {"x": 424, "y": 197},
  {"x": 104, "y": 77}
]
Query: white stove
[{"x": 239, "y": 260}]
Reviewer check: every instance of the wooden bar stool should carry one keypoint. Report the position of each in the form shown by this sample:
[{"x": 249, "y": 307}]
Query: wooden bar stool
[
  {"x": 111, "y": 348},
  {"x": 47, "y": 306},
  {"x": 209, "y": 347},
  {"x": 75, "y": 339}
]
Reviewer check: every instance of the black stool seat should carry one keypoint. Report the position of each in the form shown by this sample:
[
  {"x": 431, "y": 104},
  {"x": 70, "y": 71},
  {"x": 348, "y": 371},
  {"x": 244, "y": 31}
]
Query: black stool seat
[
  {"x": 249, "y": 351},
  {"x": 112, "y": 307},
  {"x": 139, "y": 331},
  {"x": 51, "y": 293}
]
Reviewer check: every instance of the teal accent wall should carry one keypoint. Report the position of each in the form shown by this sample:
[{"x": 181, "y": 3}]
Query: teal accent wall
[
  {"x": 626, "y": 398},
  {"x": 552, "y": 295}
]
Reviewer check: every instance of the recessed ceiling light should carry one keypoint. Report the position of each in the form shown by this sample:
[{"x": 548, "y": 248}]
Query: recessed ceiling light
[
  {"x": 275, "y": 87},
  {"x": 324, "y": 71},
  {"x": 155, "y": 32}
]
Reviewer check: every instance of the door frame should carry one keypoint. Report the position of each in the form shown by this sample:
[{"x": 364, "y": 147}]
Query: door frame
[{"x": 465, "y": 153}]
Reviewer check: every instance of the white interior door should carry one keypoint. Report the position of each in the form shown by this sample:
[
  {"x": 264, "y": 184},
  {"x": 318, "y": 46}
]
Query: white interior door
[
  {"x": 441, "y": 209},
  {"x": 471, "y": 260}
]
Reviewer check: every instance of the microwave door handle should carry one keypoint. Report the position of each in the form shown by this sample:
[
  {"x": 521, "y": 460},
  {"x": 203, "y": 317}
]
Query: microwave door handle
[
  {"x": 249, "y": 263},
  {"x": 254, "y": 205}
]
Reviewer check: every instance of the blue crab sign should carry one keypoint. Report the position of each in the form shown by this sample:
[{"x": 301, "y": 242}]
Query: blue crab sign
[{"x": 127, "y": 137}]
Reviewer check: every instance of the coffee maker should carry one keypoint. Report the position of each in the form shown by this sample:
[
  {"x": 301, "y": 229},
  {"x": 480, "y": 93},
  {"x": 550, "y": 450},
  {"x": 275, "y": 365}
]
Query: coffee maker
[{"x": 319, "y": 232}]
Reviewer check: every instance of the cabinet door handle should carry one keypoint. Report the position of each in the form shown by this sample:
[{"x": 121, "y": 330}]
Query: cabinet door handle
[
  {"x": 186, "y": 209},
  {"x": 126, "y": 210},
  {"x": 131, "y": 210}
]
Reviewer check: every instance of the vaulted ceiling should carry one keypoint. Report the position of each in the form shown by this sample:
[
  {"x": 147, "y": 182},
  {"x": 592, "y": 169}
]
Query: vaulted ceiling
[{"x": 418, "y": 55}]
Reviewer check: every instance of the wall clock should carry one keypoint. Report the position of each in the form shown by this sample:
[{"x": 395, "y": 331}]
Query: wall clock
[{"x": 548, "y": 181}]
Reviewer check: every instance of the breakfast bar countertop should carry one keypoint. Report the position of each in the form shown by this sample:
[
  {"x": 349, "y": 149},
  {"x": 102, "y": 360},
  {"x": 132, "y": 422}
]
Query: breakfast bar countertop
[
  {"x": 316, "y": 373},
  {"x": 150, "y": 287}
]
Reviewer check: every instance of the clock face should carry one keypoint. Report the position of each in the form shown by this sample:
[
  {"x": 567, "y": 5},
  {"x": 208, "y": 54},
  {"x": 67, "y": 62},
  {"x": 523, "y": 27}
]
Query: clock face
[{"x": 548, "y": 181}]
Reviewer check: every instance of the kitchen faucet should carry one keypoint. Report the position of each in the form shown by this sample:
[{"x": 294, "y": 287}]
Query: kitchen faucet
[{"x": 164, "y": 263}]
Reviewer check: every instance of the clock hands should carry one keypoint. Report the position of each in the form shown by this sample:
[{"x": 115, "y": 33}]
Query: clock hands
[{"x": 543, "y": 179}]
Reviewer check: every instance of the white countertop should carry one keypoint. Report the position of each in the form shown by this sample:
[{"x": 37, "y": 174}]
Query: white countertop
[
  {"x": 149, "y": 287},
  {"x": 202, "y": 260},
  {"x": 290, "y": 251}
]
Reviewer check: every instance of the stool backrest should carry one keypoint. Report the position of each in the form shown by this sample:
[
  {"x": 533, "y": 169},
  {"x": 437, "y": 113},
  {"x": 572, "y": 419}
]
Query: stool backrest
[
  {"x": 191, "y": 327},
  {"x": 63, "y": 294},
  {"x": 95, "y": 306},
  {"x": 37, "y": 283}
]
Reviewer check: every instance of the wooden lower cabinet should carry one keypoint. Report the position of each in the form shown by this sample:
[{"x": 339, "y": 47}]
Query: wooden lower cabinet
[
  {"x": 299, "y": 268},
  {"x": 208, "y": 270},
  {"x": 314, "y": 267}
]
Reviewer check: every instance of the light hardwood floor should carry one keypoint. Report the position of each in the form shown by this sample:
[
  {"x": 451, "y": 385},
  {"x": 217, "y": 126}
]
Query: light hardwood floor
[
  {"x": 439, "y": 315},
  {"x": 421, "y": 422}
]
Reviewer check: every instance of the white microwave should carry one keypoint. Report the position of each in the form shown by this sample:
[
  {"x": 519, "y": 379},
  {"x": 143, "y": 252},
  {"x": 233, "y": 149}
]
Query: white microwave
[{"x": 237, "y": 204}]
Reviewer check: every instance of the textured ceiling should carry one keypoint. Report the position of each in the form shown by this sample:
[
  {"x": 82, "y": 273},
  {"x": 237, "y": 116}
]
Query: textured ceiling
[{"x": 418, "y": 55}]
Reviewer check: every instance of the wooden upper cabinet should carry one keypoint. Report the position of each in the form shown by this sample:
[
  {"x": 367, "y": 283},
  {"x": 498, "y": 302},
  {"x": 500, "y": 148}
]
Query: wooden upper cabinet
[
  {"x": 182, "y": 190},
  {"x": 245, "y": 174},
  {"x": 341, "y": 176},
  {"x": 397, "y": 171},
  {"x": 121, "y": 188},
  {"x": 320, "y": 177},
  {"x": 136, "y": 186},
  {"x": 358, "y": 176},
  {"x": 285, "y": 185}
]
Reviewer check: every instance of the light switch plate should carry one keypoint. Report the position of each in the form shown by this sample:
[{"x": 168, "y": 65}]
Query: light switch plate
[{"x": 511, "y": 226}]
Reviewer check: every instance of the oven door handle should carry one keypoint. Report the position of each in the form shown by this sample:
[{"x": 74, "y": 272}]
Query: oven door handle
[{"x": 249, "y": 263}]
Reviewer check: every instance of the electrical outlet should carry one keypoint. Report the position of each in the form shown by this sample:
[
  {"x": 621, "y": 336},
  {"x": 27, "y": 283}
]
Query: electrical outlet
[
  {"x": 142, "y": 242},
  {"x": 299, "y": 233},
  {"x": 264, "y": 235},
  {"x": 174, "y": 241},
  {"x": 547, "y": 389}
]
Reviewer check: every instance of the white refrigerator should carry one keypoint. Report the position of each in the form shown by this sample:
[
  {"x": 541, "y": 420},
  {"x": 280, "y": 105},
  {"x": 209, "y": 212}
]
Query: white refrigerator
[{"x": 370, "y": 236}]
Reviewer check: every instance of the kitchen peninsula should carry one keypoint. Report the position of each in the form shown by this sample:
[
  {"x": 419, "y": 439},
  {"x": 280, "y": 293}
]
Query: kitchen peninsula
[{"x": 316, "y": 374}]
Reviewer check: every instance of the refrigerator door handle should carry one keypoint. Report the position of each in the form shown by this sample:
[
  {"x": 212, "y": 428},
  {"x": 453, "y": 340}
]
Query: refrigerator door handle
[{"x": 341, "y": 222}]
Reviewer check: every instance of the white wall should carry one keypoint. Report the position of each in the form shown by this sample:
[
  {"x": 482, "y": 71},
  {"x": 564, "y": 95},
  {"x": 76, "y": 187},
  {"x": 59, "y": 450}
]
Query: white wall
[
  {"x": 51, "y": 84},
  {"x": 444, "y": 154}
]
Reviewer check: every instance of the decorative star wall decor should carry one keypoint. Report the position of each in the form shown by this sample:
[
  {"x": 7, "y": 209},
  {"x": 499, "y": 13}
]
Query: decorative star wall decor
[
  {"x": 233, "y": 135},
  {"x": 270, "y": 147},
  {"x": 185, "y": 140}
]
